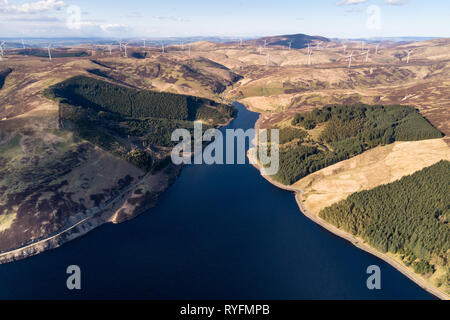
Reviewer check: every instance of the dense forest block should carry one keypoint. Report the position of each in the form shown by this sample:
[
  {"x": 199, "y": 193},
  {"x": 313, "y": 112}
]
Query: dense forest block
[
  {"x": 349, "y": 131},
  {"x": 130, "y": 122},
  {"x": 407, "y": 217}
]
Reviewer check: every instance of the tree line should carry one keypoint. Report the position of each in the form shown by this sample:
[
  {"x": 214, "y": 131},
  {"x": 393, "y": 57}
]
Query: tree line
[
  {"x": 349, "y": 131},
  {"x": 407, "y": 217},
  {"x": 107, "y": 115}
]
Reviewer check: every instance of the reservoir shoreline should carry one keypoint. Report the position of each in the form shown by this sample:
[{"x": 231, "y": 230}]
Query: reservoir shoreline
[
  {"x": 357, "y": 242},
  {"x": 208, "y": 237}
]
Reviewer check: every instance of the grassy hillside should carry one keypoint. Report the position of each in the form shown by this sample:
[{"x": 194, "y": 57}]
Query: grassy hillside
[
  {"x": 43, "y": 53},
  {"x": 341, "y": 132},
  {"x": 133, "y": 124},
  {"x": 3, "y": 75},
  {"x": 299, "y": 41},
  {"x": 408, "y": 217}
]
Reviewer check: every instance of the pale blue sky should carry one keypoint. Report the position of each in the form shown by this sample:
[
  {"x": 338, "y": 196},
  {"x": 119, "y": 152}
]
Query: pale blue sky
[{"x": 164, "y": 18}]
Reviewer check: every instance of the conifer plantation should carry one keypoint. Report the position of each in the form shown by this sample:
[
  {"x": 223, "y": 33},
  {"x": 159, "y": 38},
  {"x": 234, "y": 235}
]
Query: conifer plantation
[
  {"x": 130, "y": 122},
  {"x": 346, "y": 131},
  {"x": 409, "y": 217}
]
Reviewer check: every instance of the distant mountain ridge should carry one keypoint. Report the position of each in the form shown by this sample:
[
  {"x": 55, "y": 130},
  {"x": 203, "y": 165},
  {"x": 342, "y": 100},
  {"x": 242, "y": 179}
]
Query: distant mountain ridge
[{"x": 299, "y": 41}]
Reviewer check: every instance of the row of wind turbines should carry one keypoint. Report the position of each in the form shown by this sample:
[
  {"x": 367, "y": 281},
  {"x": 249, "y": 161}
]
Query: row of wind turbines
[
  {"x": 3, "y": 45},
  {"x": 123, "y": 48},
  {"x": 364, "y": 52}
]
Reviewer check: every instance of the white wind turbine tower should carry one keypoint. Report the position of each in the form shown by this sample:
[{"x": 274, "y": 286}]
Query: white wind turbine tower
[
  {"x": 345, "y": 49},
  {"x": 362, "y": 45},
  {"x": 409, "y": 55},
  {"x": 49, "y": 52},
  {"x": 125, "y": 50},
  {"x": 367, "y": 55},
  {"x": 23, "y": 44},
  {"x": 376, "y": 48},
  {"x": 290, "y": 45},
  {"x": 2, "y": 52},
  {"x": 350, "y": 57},
  {"x": 309, "y": 55},
  {"x": 110, "y": 49},
  {"x": 162, "y": 47},
  {"x": 240, "y": 42},
  {"x": 120, "y": 46},
  {"x": 265, "y": 43}
]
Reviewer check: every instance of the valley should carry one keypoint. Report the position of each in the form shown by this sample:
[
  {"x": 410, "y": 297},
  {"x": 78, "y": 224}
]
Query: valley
[{"x": 80, "y": 146}]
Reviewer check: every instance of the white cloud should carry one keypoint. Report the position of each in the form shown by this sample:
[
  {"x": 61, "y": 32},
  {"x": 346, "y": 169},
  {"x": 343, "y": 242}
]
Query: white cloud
[
  {"x": 32, "y": 7},
  {"x": 354, "y": 10},
  {"x": 114, "y": 28},
  {"x": 396, "y": 2},
  {"x": 350, "y": 2},
  {"x": 171, "y": 18},
  {"x": 28, "y": 17}
]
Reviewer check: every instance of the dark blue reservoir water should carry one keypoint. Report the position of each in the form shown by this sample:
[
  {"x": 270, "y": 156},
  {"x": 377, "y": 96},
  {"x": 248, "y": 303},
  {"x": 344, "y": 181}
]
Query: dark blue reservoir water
[{"x": 220, "y": 232}]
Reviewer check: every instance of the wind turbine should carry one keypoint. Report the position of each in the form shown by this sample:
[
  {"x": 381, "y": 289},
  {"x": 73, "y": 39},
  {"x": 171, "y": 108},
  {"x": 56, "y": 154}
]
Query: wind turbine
[
  {"x": 240, "y": 42},
  {"x": 23, "y": 44},
  {"x": 145, "y": 46},
  {"x": 345, "y": 49},
  {"x": 409, "y": 55},
  {"x": 350, "y": 57},
  {"x": 110, "y": 49},
  {"x": 290, "y": 45},
  {"x": 265, "y": 43},
  {"x": 367, "y": 55},
  {"x": 309, "y": 55},
  {"x": 2, "y": 52},
  {"x": 49, "y": 52},
  {"x": 120, "y": 46},
  {"x": 162, "y": 48},
  {"x": 125, "y": 50},
  {"x": 376, "y": 49},
  {"x": 362, "y": 45}
]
